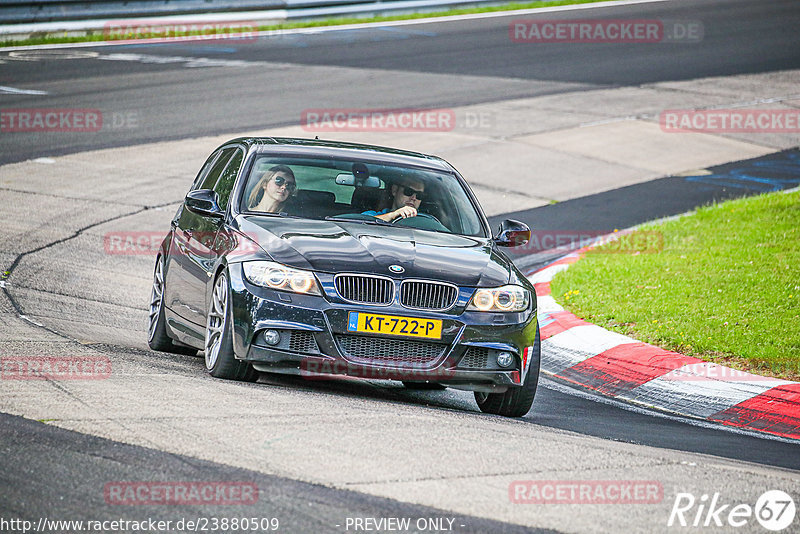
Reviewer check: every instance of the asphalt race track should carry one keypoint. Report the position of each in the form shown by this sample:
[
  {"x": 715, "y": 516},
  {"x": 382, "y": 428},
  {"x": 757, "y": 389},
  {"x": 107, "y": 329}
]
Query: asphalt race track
[
  {"x": 324, "y": 452},
  {"x": 416, "y": 66}
]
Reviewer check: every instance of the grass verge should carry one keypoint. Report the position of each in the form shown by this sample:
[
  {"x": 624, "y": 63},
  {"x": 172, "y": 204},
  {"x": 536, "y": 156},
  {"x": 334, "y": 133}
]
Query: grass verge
[
  {"x": 100, "y": 35},
  {"x": 724, "y": 288}
]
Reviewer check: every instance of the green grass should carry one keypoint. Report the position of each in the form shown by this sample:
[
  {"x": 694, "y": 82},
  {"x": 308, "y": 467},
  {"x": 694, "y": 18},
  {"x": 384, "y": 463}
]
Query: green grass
[
  {"x": 98, "y": 35},
  {"x": 725, "y": 287}
]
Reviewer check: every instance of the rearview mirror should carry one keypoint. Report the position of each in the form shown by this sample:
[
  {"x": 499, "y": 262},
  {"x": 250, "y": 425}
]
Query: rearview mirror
[
  {"x": 513, "y": 234},
  {"x": 348, "y": 179},
  {"x": 204, "y": 202}
]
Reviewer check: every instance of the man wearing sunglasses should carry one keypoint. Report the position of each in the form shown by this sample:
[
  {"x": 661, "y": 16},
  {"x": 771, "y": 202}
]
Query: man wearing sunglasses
[{"x": 406, "y": 199}]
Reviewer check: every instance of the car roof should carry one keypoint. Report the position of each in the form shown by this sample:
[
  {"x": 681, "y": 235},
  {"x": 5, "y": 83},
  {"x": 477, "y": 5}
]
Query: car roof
[{"x": 340, "y": 149}]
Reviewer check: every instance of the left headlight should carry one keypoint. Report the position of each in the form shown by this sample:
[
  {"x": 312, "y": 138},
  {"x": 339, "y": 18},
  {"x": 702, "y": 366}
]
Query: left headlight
[
  {"x": 276, "y": 276},
  {"x": 510, "y": 298}
]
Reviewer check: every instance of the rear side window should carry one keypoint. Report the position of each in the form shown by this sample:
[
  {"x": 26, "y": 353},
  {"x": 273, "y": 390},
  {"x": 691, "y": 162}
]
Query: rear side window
[
  {"x": 211, "y": 178},
  {"x": 205, "y": 170}
]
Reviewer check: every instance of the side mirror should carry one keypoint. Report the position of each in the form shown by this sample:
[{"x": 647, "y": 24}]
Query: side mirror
[
  {"x": 204, "y": 202},
  {"x": 513, "y": 234}
]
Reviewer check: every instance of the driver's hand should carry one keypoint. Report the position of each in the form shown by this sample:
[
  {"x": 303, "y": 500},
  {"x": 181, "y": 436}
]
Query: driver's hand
[{"x": 404, "y": 212}]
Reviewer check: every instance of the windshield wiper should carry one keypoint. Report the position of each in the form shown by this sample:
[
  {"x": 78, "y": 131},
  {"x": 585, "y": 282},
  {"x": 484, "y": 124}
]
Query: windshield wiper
[
  {"x": 377, "y": 221},
  {"x": 281, "y": 214}
]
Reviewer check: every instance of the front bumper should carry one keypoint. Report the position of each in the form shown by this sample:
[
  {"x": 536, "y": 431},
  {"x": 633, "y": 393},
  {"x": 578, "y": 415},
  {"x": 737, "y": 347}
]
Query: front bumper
[{"x": 315, "y": 341}]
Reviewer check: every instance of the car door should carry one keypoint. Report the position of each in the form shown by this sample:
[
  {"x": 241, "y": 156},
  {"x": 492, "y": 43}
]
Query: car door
[
  {"x": 193, "y": 237},
  {"x": 202, "y": 254},
  {"x": 172, "y": 271}
]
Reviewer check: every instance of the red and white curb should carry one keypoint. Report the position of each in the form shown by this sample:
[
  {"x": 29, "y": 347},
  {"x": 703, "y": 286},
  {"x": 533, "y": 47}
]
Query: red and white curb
[{"x": 621, "y": 367}]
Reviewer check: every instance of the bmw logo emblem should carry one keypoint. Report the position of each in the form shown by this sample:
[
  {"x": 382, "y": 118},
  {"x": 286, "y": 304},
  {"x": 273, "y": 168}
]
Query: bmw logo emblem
[{"x": 396, "y": 269}]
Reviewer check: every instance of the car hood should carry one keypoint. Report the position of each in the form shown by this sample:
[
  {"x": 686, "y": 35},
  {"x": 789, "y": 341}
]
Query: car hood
[{"x": 336, "y": 247}]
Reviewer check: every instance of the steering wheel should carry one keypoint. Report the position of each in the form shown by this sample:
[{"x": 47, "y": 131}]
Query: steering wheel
[
  {"x": 419, "y": 214},
  {"x": 422, "y": 221}
]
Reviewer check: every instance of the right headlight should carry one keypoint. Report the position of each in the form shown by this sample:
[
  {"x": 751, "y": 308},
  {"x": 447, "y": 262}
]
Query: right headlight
[
  {"x": 277, "y": 276},
  {"x": 510, "y": 298}
]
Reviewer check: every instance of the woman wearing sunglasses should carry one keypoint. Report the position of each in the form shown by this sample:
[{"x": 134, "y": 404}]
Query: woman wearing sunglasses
[
  {"x": 276, "y": 186},
  {"x": 406, "y": 199}
]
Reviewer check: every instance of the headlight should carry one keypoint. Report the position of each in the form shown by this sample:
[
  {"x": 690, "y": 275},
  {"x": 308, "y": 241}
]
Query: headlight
[
  {"x": 280, "y": 277},
  {"x": 509, "y": 298}
]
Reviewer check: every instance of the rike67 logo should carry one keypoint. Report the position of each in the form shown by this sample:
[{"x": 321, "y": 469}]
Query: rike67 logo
[{"x": 774, "y": 510}]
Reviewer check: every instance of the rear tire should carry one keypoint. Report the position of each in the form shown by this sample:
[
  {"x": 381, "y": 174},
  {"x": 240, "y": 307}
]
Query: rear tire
[
  {"x": 516, "y": 401},
  {"x": 158, "y": 339},
  {"x": 219, "y": 358}
]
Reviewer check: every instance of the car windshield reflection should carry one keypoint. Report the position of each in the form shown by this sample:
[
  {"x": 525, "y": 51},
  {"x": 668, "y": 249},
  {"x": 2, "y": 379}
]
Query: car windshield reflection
[{"x": 361, "y": 192}]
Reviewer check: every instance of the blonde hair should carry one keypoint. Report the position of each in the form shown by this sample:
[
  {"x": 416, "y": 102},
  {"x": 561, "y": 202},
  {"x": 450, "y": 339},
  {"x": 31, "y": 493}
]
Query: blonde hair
[{"x": 258, "y": 192}]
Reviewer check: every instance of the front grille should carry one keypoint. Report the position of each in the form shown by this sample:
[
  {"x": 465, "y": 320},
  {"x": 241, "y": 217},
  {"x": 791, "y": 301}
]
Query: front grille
[
  {"x": 427, "y": 295},
  {"x": 475, "y": 358},
  {"x": 365, "y": 289},
  {"x": 375, "y": 350}
]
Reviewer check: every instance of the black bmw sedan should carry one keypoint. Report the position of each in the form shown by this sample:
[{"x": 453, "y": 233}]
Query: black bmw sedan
[{"x": 323, "y": 258}]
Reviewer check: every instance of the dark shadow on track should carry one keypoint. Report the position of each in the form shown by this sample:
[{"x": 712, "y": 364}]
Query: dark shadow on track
[{"x": 59, "y": 474}]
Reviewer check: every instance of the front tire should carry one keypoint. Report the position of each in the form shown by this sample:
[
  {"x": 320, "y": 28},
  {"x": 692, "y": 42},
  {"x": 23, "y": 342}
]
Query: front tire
[
  {"x": 219, "y": 358},
  {"x": 158, "y": 339},
  {"x": 516, "y": 401}
]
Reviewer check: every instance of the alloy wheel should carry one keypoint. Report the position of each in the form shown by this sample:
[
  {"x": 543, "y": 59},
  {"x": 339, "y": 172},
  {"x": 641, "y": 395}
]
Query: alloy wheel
[
  {"x": 156, "y": 298},
  {"x": 215, "y": 326}
]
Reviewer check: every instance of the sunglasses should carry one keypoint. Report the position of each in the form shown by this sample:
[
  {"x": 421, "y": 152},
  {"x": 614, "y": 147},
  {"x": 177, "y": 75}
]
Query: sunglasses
[
  {"x": 407, "y": 191},
  {"x": 290, "y": 186}
]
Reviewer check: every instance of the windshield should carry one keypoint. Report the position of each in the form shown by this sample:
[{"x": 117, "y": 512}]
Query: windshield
[{"x": 363, "y": 192}]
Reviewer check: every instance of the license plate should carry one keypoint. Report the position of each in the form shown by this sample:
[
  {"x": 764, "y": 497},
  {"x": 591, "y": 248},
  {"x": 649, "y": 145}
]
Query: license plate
[{"x": 373, "y": 323}]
